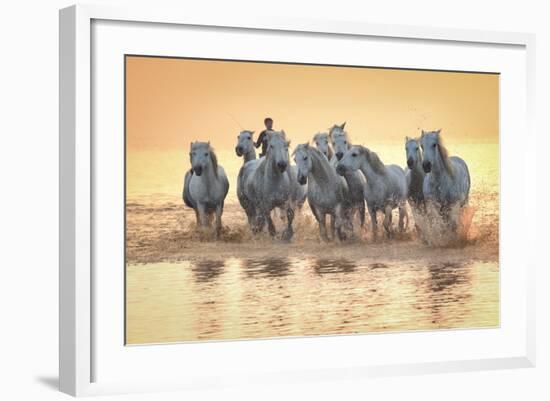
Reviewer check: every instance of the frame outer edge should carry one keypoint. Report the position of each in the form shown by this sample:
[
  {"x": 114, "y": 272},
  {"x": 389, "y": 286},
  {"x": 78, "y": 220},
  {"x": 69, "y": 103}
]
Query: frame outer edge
[
  {"x": 75, "y": 346},
  {"x": 67, "y": 125},
  {"x": 74, "y": 201}
]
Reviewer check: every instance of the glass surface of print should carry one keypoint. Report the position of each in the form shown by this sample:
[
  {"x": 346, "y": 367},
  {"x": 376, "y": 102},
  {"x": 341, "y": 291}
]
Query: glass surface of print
[{"x": 333, "y": 136}]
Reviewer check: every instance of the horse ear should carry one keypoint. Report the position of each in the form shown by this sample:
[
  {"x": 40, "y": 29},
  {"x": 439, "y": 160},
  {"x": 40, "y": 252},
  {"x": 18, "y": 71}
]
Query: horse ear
[
  {"x": 406, "y": 139},
  {"x": 438, "y": 131},
  {"x": 252, "y": 132},
  {"x": 343, "y": 125},
  {"x": 283, "y": 133},
  {"x": 422, "y": 134}
]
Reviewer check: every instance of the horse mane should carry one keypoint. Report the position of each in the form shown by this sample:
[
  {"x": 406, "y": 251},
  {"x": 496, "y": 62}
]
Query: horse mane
[
  {"x": 374, "y": 160},
  {"x": 316, "y": 154},
  {"x": 445, "y": 157},
  {"x": 330, "y": 152},
  {"x": 214, "y": 159}
]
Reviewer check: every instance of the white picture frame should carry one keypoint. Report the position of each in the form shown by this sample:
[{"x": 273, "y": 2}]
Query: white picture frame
[{"x": 78, "y": 369}]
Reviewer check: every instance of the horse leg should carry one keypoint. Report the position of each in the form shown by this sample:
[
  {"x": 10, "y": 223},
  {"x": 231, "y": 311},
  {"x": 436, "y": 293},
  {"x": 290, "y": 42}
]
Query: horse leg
[
  {"x": 402, "y": 215},
  {"x": 198, "y": 217},
  {"x": 332, "y": 227},
  {"x": 321, "y": 220},
  {"x": 387, "y": 221},
  {"x": 203, "y": 217},
  {"x": 270, "y": 225},
  {"x": 259, "y": 222},
  {"x": 373, "y": 220},
  {"x": 288, "y": 233},
  {"x": 362, "y": 214},
  {"x": 337, "y": 222},
  {"x": 219, "y": 212}
]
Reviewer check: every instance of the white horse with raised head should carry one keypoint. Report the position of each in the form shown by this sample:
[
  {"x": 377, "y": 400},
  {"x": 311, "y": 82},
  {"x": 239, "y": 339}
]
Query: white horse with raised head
[
  {"x": 205, "y": 185},
  {"x": 386, "y": 187}
]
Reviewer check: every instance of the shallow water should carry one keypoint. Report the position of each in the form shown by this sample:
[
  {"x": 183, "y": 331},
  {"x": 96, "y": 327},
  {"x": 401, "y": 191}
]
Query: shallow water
[
  {"x": 250, "y": 298},
  {"x": 182, "y": 285}
]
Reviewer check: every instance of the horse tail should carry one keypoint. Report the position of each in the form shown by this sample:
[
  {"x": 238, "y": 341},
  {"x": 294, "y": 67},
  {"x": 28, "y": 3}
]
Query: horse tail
[{"x": 186, "y": 195}]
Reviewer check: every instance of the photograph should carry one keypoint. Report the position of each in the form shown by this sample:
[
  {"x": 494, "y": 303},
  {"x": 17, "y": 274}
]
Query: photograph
[{"x": 272, "y": 199}]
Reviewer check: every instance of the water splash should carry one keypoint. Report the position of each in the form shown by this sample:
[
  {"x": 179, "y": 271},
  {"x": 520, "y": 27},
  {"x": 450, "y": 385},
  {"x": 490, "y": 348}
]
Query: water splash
[{"x": 436, "y": 230}]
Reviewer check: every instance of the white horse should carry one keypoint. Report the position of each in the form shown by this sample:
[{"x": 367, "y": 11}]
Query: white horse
[
  {"x": 205, "y": 185},
  {"x": 415, "y": 172},
  {"x": 272, "y": 184},
  {"x": 447, "y": 182},
  {"x": 326, "y": 191},
  {"x": 355, "y": 179},
  {"x": 245, "y": 148},
  {"x": 386, "y": 187}
]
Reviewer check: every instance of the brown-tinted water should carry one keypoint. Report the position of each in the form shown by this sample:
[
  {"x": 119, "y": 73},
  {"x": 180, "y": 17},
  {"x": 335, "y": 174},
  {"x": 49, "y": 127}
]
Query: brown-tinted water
[{"x": 184, "y": 286}]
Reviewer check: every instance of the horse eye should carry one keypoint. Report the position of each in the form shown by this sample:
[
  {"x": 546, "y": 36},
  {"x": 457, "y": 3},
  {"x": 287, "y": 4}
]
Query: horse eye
[
  {"x": 345, "y": 142},
  {"x": 206, "y": 154},
  {"x": 305, "y": 157},
  {"x": 249, "y": 138},
  {"x": 354, "y": 154},
  {"x": 434, "y": 145}
]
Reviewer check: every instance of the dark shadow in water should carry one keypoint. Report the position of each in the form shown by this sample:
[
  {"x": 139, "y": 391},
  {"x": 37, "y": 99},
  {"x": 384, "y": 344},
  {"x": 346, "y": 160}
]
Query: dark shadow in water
[
  {"x": 271, "y": 267},
  {"x": 448, "y": 286},
  {"x": 207, "y": 270},
  {"x": 330, "y": 266},
  {"x": 445, "y": 275},
  {"x": 373, "y": 266}
]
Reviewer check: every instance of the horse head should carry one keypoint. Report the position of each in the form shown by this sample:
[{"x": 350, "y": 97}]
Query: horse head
[
  {"x": 429, "y": 141},
  {"x": 277, "y": 150},
  {"x": 321, "y": 142},
  {"x": 412, "y": 149},
  {"x": 202, "y": 157},
  {"x": 303, "y": 162},
  {"x": 245, "y": 143},
  {"x": 340, "y": 144},
  {"x": 351, "y": 160}
]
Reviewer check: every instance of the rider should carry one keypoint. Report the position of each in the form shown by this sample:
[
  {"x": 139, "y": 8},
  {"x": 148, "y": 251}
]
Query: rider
[{"x": 262, "y": 138}]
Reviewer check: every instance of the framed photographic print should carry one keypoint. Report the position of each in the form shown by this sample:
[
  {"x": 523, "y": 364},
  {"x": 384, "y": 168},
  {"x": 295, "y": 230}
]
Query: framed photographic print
[{"x": 283, "y": 200}]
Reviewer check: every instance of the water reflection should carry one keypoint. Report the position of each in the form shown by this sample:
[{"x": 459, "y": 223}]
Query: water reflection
[
  {"x": 270, "y": 267},
  {"x": 445, "y": 275},
  {"x": 253, "y": 298},
  {"x": 378, "y": 266},
  {"x": 448, "y": 288},
  {"x": 333, "y": 266},
  {"x": 207, "y": 270}
]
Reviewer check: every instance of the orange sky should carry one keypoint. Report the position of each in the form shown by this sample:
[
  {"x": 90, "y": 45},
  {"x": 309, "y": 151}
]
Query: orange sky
[{"x": 170, "y": 102}]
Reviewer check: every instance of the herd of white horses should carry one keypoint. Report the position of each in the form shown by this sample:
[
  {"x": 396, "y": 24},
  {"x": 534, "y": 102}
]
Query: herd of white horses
[{"x": 338, "y": 179}]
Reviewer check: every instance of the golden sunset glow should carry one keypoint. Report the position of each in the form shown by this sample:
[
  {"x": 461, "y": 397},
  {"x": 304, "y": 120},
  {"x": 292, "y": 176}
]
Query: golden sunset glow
[{"x": 173, "y": 101}]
